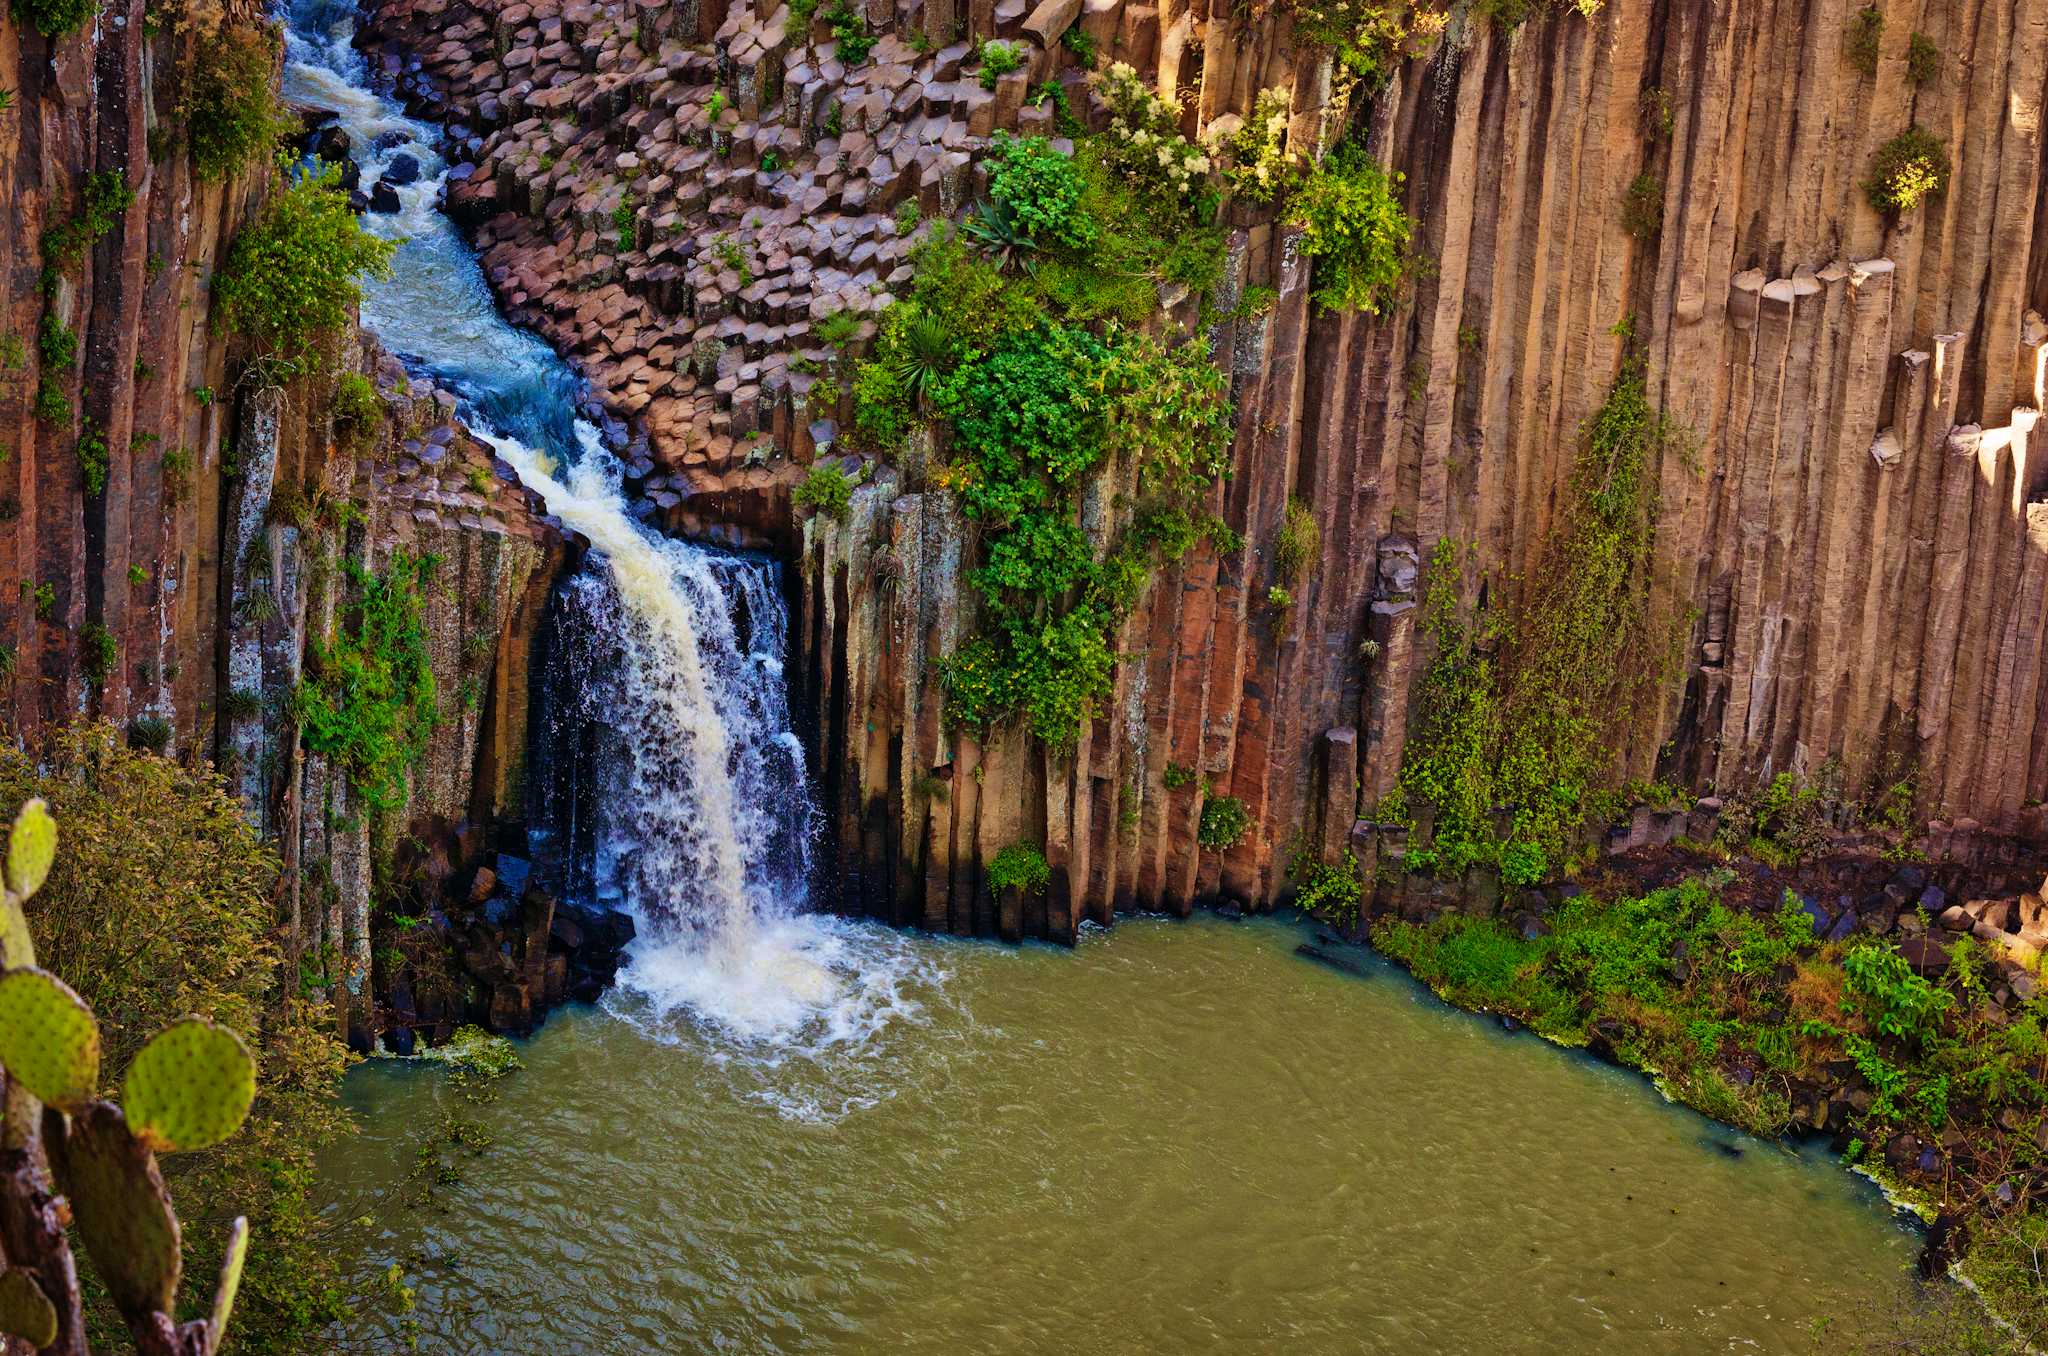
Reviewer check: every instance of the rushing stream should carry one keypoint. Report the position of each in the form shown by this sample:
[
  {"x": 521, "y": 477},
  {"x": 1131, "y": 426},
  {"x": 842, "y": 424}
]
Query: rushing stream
[{"x": 788, "y": 1133}]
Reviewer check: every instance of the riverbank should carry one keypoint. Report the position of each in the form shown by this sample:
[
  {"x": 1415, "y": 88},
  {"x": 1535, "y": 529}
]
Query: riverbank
[{"x": 1883, "y": 1024}]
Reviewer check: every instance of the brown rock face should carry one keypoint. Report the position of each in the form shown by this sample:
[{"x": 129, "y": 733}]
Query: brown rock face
[{"x": 1853, "y": 542}]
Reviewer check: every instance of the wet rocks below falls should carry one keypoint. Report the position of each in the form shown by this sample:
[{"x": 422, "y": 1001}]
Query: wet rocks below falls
[{"x": 498, "y": 953}]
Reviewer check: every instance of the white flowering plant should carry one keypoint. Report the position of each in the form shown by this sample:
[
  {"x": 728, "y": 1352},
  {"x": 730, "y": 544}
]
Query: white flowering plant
[
  {"x": 1144, "y": 141},
  {"x": 1253, "y": 153}
]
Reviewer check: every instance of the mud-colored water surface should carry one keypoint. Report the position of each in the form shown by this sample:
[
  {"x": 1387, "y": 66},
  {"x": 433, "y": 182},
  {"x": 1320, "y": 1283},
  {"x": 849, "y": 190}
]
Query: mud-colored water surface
[{"x": 1182, "y": 1137}]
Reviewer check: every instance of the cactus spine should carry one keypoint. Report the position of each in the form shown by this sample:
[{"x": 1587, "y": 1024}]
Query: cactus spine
[{"x": 189, "y": 1087}]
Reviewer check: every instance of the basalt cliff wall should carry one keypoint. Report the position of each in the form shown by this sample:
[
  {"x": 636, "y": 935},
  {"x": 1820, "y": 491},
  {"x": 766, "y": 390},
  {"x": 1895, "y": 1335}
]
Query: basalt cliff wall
[
  {"x": 184, "y": 595},
  {"x": 1852, "y": 539}
]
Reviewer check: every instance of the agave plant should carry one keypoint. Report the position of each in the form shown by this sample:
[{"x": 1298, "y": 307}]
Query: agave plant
[
  {"x": 926, "y": 357},
  {"x": 995, "y": 230}
]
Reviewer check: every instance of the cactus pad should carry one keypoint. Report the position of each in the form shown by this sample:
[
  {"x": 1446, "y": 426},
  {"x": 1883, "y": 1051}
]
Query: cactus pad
[
  {"x": 189, "y": 1087},
  {"x": 122, "y": 1212},
  {"x": 25, "y": 1310},
  {"x": 230, "y": 1282},
  {"x": 31, "y": 847},
  {"x": 49, "y": 1041}
]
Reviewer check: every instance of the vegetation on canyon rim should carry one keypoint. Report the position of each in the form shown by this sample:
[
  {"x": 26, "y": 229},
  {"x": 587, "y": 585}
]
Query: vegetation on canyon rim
[
  {"x": 159, "y": 905},
  {"x": 1752, "y": 1018}
]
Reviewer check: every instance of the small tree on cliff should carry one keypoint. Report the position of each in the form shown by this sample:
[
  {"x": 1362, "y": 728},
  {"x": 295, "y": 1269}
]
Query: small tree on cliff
[{"x": 295, "y": 277}]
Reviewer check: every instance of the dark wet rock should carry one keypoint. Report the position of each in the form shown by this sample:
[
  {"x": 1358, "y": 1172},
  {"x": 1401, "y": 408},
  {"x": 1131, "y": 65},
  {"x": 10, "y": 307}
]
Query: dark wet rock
[
  {"x": 403, "y": 169},
  {"x": 330, "y": 143},
  {"x": 359, "y": 1041},
  {"x": 1230, "y": 909},
  {"x": 1815, "y": 912},
  {"x": 1531, "y": 926},
  {"x": 399, "y": 1040},
  {"x": 1350, "y": 965},
  {"x": 384, "y": 141},
  {"x": 351, "y": 176},
  {"x": 1509, "y": 1024},
  {"x": 383, "y": 197},
  {"x": 1844, "y": 926},
  {"x": 1933, "y": 899},
  {"x": 358, "y": 202}
]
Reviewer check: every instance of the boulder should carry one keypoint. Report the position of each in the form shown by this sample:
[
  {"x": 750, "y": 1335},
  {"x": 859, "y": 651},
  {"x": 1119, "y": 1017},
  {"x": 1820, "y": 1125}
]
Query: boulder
[
  {"x": 403, "y": 169},
  {"x": 1927, "y": 955},
  {"x": 383, "y": 198}
]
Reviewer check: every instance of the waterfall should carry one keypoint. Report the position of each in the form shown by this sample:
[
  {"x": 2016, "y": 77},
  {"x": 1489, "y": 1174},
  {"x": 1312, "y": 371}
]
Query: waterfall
[{"x": 666, "y": 658}]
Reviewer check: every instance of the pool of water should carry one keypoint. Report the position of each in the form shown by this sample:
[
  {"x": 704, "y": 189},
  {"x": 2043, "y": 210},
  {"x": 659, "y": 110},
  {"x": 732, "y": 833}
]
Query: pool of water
[{"x": 1181, "y": 1137}]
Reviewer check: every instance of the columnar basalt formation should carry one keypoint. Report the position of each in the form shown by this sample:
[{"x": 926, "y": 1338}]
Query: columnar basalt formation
[
  {"x": 1851, "y": 536},
  {"x": 184, "y": 594}
]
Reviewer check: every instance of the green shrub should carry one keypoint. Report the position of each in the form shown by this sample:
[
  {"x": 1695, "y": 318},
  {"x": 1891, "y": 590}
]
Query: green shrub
[
  {"x": 837, "y": 329},
  {"x": 1896, "y": 1001},
  {"x": 57, "y": 349},
  {"x": 1224, "y": 822},
  {"x": 1910, "y": 167},
  {"x": 1923, "y": 59},
  {"x": 1077, "y": 41},
  {"x": 1331, "y": 892},
  {"x": 1865, "y": 39},
  {"x": 369, "y": 700},
  {"x": 93, "y": 457},
  {"x": 1642, "y": 206},
  {"x": 1368, "y": 36},
  {"x": 1299, "y": 544},
  {"x": 998, "y": 59},
  {"x": 850, "y": 31},
  {"x": 1354, "y": 229},
  {"x": 107, "y": 196},
  {"x": 356, "y": 406},
  {"x": 294, "y": 276},
  {"x": 97, "y": 653},
  {"x": 825, "y": 490},
  {"x": 1040, "y": 188},
  {"x": 54, "y": 18},
  {"x": 1021, "y": 865},
  {"x": 160, "y": 904},
  {"x": 231, "y": 117},
  {"x": 1176, "y": 776}
]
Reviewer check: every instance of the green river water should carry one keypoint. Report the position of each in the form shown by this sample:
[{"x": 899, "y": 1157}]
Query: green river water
[{"x": 1179, "y": 1138}]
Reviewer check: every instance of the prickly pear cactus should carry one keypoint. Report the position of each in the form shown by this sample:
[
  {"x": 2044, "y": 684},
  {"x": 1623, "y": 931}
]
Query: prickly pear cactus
[
  {"x": 49, "y": 1041},
  {"x": 120, "y": 1208},
  {"x": 190, "y": 1087},
  {"x": 25, "y": 1310},
  {"x": 31, "y": 847}
]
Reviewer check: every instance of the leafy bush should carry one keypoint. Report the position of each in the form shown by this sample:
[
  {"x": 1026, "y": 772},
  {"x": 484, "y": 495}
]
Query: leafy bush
[
  {"x": 1354, "y": 229},
  {"x": 231, "y": 116},
  {"x": 850, "y": 31},
  {"x": 825, "y": 490},
  {"x": 1224, "y": 822},
  {"x": 1040, "y": 189},
  {"x": 1897, "y": 1001},
  {"x": 93, "y": 457},
  {"x": 54, "y": 18},
  {"x": 107, "y": 197},
  {"x": 57, "y": 349},
  {"x": 369, "y": 702},
  {"x": 1910, "y": 167},
  {"x": 1257, "y": 164},
  {"x": 356, "y": 406},
  {"x": 97, "y": 653},
  {"x": 294, "y": 275},
  {"x": 1923, "y": 59},
  {"x": 160, "y": 905},
  {"x": 1299, "y": 544},
  {"x": 1143, "y": 141},
  {"x": 151, "y": 734},
  {"x": 1331, "y": 892},
  {"x": 1369, "y": 37},
  {"x": 1021, "y": 865},
  {"x": 1642, "y": 206},
  {"x": 998, "y": 59}
]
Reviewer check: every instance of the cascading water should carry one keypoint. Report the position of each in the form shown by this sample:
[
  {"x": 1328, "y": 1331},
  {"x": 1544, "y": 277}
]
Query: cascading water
[{"x": 667, "y": 655}]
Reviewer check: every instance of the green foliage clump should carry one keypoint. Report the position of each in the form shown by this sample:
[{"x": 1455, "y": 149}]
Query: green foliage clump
[
  {"x": 97, "y": 653},
  {"x": 107, "y": 197},
  {"x": 998, "y": 59},
  {"x": 1642, "y": 206},
  {"x": 1369, "y": 37},
  {"x": 1923, "y": 59},
  {"x": 1077, "y": 41},
  {"x": 1175, "y": 776},
  {"x": 1523, "y": 715},
  {"x": 57, "y": 348},
  {"x": 1884, "y": 989},
  {"x": 1040, "y": 189},
  {"x": 231, "y": 117},
  {"x": 1224, "y": 822},
  {"x": 1865, "y": 38},
  {"x": 93, "y": 457},
  {"x": 851, "y": 32},
  {"x": 1909, "y": 168},
  {"x": 1021, "y": 865},
  {"x": 294, "y": 276},
  {"x": 825, "y": 490},
  {"x": 159, "y": 905},
  {"x": 1333, "y": 893},
  {"x": 1354, "y": 228},
  {"x": 369, "y": 702},
  {"x": 1299, "y": 544},
  {"x": 54, "y": 18},
  {"x": 356, "y": 406}
]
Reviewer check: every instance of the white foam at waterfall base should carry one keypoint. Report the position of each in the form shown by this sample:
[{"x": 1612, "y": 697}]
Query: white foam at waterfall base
[{"x": 702, "y": 807}]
